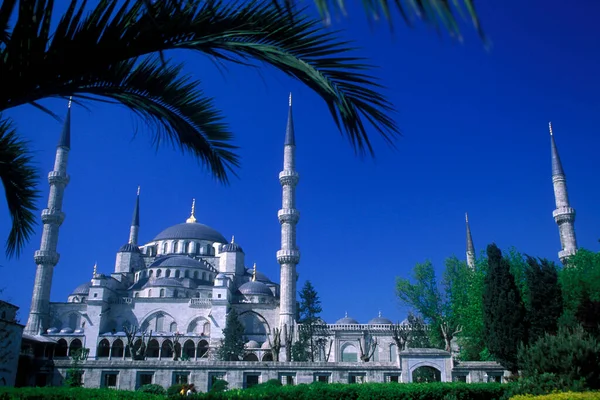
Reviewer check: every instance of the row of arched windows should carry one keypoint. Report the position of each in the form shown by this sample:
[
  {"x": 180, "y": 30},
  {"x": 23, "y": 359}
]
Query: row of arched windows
[
  {"x": 178, "y": 247},
  {"x": 153, "y": 350},
  {"x": 168, "y": 273},
  {"x": 63, "y": 349}
]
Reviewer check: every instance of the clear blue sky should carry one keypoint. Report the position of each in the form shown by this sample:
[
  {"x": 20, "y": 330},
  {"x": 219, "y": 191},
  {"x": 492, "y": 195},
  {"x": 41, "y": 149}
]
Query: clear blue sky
[{"x": 475, "y": 139}]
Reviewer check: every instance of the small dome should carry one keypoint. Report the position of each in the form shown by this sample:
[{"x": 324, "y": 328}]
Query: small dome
[
  {"x": 231, "y": 248},
  {"x": 129, "y": 248},
  {"x": 192, "y": 230},
  {"x": 83, "y": 289},
  {"x": 347, "y": 321},
  {"x": 252, "y": 344},
  {"x": 78, "y": 330},
  {"x": 173, "y": 282},
  {"x": 66, "y": 330},
  {"x": 52, "y": 330},
  {"x": 177, "y": 261},
  {"x": 253, "y": 288},
  {"x": 379, "y": 320},
  {"x": 260, "y": 277},
  {"x": 265, "y": 346},
  {"x": 221, "y": 275}
]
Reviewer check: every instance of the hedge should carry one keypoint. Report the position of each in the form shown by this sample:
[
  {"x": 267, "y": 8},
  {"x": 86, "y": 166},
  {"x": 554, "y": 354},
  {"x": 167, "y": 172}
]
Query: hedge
[
  {"x": 380, "y": 391},
  {"x": 561, "y": 396},
  {"x": 65, "y": 393}
]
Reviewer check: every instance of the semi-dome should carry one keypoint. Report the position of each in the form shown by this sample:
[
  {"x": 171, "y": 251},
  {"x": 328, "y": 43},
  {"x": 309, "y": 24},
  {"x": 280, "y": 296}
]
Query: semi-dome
[
  {"x": 347, "y": 321},
  {"x": 191, "y": 230},
  {"x": 129, "y": 248},
  {"x": 379, "y": 320},
  {"x": 177, "y": 261},
  {"x": 252, "y": 344},
  {"x": 164, "y": 282},
  {"x": 255, "y": 288},
  {"x": 83, "y": 289}
]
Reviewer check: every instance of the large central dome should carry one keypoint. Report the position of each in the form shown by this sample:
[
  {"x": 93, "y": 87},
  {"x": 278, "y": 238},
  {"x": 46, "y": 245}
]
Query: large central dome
[{"x": 192, "y": 230}]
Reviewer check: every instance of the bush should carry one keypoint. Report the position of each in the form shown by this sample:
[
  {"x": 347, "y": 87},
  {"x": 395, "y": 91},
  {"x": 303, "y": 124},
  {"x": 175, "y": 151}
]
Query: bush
[
  {"x": 568, "y": 360},
  {"x": 219, "y": 385},
  {"x": 174, "y": 389},
  {"x": 561, "y": 396},
  {"x": 63, "y": 393},
  {"x": 153, "y": 389}
]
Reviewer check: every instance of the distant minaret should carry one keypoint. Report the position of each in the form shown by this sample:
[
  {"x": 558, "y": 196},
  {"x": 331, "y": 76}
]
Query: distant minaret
[
  {"x": 135, "y": 222},
  {"x": 564, "y": 215},
  {"x": 470, "y": 246},
  {"x": 52, "y": 217},
  {"x": 288, "y": 216}
]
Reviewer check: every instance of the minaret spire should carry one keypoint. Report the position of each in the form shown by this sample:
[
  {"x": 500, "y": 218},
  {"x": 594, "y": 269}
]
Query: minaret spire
[
  {"x": 46, "y": 257},
  {"x": 470, "y": 246},
  {"x": 135, "y": 222},
  {"x": 289, "y": 256},
  {"x": 192, "y": 217},
  {"x": 564, "y": 214}
]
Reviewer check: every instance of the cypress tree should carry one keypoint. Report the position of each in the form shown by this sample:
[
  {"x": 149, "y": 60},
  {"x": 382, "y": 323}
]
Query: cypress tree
[
  {"x": 503, "y": 311},
  {"x": 232, "y": 344},
  {"x": 309, "y": 309},
  {"x": 545, "y": 298}
]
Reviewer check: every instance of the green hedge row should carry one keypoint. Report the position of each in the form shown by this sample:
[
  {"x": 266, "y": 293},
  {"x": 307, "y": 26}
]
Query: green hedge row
[
  {"x": 316, "y": 391},
  {"x": 380, "y": 391}
]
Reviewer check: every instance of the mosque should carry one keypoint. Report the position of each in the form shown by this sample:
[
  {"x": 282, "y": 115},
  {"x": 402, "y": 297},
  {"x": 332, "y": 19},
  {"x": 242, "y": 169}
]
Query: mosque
[{"x": 171, "y": 296}]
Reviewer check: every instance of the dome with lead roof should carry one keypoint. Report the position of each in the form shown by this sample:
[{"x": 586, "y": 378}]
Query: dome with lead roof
[
  {"x": 346, "y": 321},
  {"x": 191, "y": 230},
  {"x": 129, "y": 248},
  {"x": 82, "y": 290},
  {"x": 177, "y": 261},
  {"x": 255, "y": 288},
  {"x": 379, "y": 320}
]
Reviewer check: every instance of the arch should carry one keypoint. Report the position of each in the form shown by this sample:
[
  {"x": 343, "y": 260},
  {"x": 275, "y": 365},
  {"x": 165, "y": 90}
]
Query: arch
[
  {"x": 425, "y": 373},
  {"x": 186, "y": 273},
  {"x": 149, "y": 292},
  {"x": 202, "y": 348},
  {"x": 61, "y": 348},
  {"x": 165, "y": 248},
  {"x": 162, "y": 292},
  {"x": 153, "y": 349},
  {"x": 75, "y": 345},
  {"x": 349, "y": 353},
  {"x": 156, "y": 320},
  {"x": 250, "y": 357},
  {"x": 158, "y": 273},
  {"x": 168, "y": 273},
  {"x": 393, "y": 352},
  {"x": 173, "y": 327},
  {"x": 196, "y": 325},
  {"x": 166, "y": 349},
  {"x": 177, "y": 273},
  {"x": 175, "y": 294},
  {"x": 185, "y": 247},
  {"x": 268, "y": 356},
  {"x": 195, "y": 274},
  {"x": 117, "y": 349},
  {"x": 150, "y": 273},
  {"x": 189, "y": 349},
  {"x": 103, "y": 349},
  {"x": 175, "y": 246},
  {"x": 254, "y": 323}
]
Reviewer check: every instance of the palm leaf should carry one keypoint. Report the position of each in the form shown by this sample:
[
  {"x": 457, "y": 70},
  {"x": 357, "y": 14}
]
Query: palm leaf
[{"x": 19, "y": 178}]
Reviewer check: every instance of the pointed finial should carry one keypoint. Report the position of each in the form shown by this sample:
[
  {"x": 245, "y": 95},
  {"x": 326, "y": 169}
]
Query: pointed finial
[
  {"x": 346, "y": 314},
  {"x": 379, "y": 314},
  {"x": 550, "y": 127},
  {"x": 70, "y": 101},
  {"x": 192, "y": 217},
  {"x": 467, "y": 217},
  {"x": 138, "y": 192},
  {"x": 95, "y": 269},
  {"x": 232, "y": 239},
  {"x": 290, "y": 99},
  {"x": 254, "y": 273}
]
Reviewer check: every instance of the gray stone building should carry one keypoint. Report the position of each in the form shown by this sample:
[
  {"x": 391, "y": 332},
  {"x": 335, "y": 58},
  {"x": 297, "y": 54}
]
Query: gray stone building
[
  {"x": 166, "y": 301},
  {"x": 10, "y": 343}
]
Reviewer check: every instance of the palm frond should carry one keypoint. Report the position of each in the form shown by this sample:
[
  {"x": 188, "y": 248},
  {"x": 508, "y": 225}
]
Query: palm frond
[
  {"x": 19, "y": 179},
  {"x": 237, "y": 32}
]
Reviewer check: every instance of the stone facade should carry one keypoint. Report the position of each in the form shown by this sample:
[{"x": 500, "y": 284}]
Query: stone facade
[{"x": 10, "y": 343}]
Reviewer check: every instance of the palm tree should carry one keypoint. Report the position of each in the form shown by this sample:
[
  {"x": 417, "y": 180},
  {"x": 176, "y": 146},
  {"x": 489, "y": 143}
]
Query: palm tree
[{"x": 116, "y": 53}]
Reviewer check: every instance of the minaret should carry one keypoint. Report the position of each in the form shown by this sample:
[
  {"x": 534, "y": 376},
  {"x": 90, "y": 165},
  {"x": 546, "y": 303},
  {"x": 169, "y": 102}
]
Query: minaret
[
  {"x": 288, "y": 216},
  {"x": 564, "y": 215},
  {"x": 135, "y": 222},
  {"x": 470, "y": 246},
  {"x": 52, "y": 217}
]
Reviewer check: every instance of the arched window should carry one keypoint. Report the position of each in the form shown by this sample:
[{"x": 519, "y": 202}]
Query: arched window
[
  {"x": 117, "y": 349},
  {"x": 162, "y": 292},
  {"x": 204, "y": 276},
  {"x": 202, "y": 348},
  {"x": 349, "y": 353},
  {"x": 61, "y": 348},
  {"x": 393, "y": 353},
  {"x": 186, "y": 274},
  {"x": 206, "y": 329},
  {"x": 158, "y": 273},
  {"x": 149, "y": 292},
  {"x": 165, "y": 247},
  {"x": 175, "y": 293},
  {"x": 185, "y": 247},
  {"x": 189, "y": 349},
  {"x": 173, "y": 327},
  {"x": 137, "y": 294},
  {"x": 103, "y": 348},
  {"x": 195, "y": 274},
  {"x": 150, "y": 273},
  {"x": 166, "y": 349},
  {"x": 175, "y": 247},
  {"x": 152, "y": 349},
  {"x": 177, "y": 273},
  {"x": 167, "y": 273},
  {"x": 160, "y": 322}
]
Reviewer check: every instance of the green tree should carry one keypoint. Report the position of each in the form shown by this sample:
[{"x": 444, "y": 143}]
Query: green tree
[
  {"x": 503, "y": 311},
  {"x": 232, "y": 344},
  {"x": 116, "y": 53},
  {"x": 545, "y": 298},
  {"x": 309, "y": 309},
  {"x": 580, "y": 284},
  {"x": 418, "y": 337}
]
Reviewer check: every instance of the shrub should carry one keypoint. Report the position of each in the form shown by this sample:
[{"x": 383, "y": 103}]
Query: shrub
[
  {"x": 219, "y": 385},
  {"x": 64, "y": 393},
  {"x": 561, "y": 396},
  {"x": 174, "y": 389},
  {"x": 153, "y": 389}
]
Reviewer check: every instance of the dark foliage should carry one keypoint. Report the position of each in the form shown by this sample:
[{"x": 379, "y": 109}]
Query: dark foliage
[
  {"x": 545, "y": 298},
  {"x": 153, "y": 389},
  {"x": 503, "y": 311},
  {"x": 232, "y": 344}
]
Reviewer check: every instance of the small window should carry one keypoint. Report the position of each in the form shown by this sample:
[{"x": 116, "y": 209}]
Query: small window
[
  {"x": 219, "y": 295},
  {"x": 392, "y": 378},
  {"x": 460, "y": 378},
  {"x": 162, "y": 292},
  {"x": 167, "y": 273},
  {"x": 158, "y": 273},
  {"x": 95, "y": 294},
  {"x": 356, "y": 378},
  {"x": 180, "y": 377},
  {"x": 110, "y": 380},
  {"x": 323, "y": 378},
  {"x": 251, "y": 380},
  {"x": 287, "y": 379},
  {"x": 145, "y": 378},
  {"x": 213, "y": 377}
]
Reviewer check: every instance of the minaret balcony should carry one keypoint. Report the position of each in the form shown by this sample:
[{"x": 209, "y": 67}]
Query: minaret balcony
[
  {"x": 58, "y": 178},
  {"x": 52, "y": 216},
  {"x": 564, "y": 254},
  {"x": 288, "y": 256},
  {"x": 43, "y": 257},
  {"x": 563, "y": 214},
  {"x": 289, "y": 177},
  {"x": 289, "y": 215}
]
